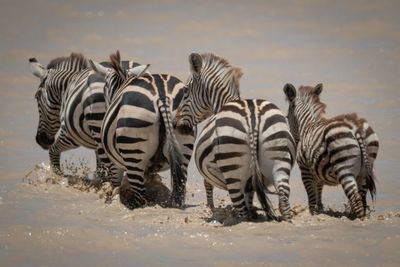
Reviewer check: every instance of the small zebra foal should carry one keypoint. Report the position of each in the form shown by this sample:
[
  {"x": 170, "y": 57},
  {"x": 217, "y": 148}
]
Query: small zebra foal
[{"x": 340, "y": 150}]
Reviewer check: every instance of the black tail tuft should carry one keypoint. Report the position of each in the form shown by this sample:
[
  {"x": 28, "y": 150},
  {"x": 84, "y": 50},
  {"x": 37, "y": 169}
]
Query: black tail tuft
[
  {"x": 370, "y": 185},
  {"x": 178, "y": 176},
  {"x": 370, "y": 176}
]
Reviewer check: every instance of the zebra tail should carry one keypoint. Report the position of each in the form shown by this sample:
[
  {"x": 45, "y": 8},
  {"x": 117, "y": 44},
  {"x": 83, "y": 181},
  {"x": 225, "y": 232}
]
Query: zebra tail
[
  {"x": 178, "y": 178},
  {"x": 370, "y": 177},
  {"x": 257, "y": 177}
]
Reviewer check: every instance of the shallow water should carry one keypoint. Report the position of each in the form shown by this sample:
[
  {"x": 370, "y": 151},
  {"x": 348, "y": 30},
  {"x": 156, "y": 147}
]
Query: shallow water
[{"x": 353, "y": 48}]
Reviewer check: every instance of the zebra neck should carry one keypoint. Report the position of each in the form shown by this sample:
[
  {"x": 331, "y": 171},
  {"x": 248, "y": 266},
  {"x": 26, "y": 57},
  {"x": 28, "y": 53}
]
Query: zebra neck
[
  {"x": 307, "y": 122},
  {"x": 60, "y": 85},
  {"x": 115, "y": 90},
  {"x": 218, "y": 104}
]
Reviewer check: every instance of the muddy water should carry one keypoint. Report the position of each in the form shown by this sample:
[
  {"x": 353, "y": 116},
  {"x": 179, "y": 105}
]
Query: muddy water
[{"x": 352, "y": 48}]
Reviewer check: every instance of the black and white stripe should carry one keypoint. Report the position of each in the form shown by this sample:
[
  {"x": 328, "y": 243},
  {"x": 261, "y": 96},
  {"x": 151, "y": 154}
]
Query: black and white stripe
[
  {"x": 340, "y": 150},
  {"x": 246, "y": 146},
  {"x": 71, "y": 107},
  {"x": 137, "y": 132}
]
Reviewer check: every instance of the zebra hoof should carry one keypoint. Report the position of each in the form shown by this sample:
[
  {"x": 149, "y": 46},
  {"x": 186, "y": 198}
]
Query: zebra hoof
[
  {"x": 130, "y": 198},
  {"x": 157, "y": 193},
  {"x": 175, "y": 202}
]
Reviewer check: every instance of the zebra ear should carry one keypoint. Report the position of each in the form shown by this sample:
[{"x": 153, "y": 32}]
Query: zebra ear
[
  {"x": 139, "y": 70},
  {"x": 98, "y": 68},
  {"x": 290, "y": 91},
  {"x": 195, "y": 63},
  {"x": 37, "y": 69},
  {"x": 318, "y": 89}
]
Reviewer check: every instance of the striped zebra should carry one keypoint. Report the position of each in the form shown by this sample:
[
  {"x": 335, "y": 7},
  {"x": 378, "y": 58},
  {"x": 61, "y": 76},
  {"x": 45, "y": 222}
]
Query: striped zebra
[
  {"x": 71, "y": 107},
  {"x": 340, "y": 150},
  {"x": 137, "y": 132},
  {"x": 246, "y": 145}
]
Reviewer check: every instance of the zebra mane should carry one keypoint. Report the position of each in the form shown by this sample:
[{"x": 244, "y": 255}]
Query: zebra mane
[
  {"x": 311, "y": 100},
  {"x": 76, "y": 61},
  {"x": 214, "y": 65},
  {"x": 115, "y": 62}
]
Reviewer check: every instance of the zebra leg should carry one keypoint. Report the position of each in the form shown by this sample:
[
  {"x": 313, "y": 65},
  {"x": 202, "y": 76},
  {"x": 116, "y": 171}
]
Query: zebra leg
[
  {"x": 100, "y": 168},
  {"x": 61, "y": 144},
  {"x": 362, "y": 190},
  {"x": 320, "y": 206},
  {"x": 209, "y": 192},
  {"x": 249, "y": 198},
  {"x": 116, "y": 175},
  {"x": 348, "y": 182},
  {"x": 133, "y": 190},
  {"x": 111, "y": 172},
  {"x": 309, "y": 184},
  {"x": 237, "y": 197},
  {"x": 283, "y": 189}
]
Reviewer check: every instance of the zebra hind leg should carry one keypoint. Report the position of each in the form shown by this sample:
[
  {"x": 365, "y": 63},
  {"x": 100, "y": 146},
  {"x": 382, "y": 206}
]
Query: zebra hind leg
[
  {"x": 320, "y": 206},
  {"x": 349, "y": 185},
  {"x": 132, "y": 191},
  {"x": 309, "y": 184},
  {"x": 209, "y": 193},
  {"x": 249, "y": 197},
  {"x": 283, "y": 196},
  {"x": 237, "y": 197}
]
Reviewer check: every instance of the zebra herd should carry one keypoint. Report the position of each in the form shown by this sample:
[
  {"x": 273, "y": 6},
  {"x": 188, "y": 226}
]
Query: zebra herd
[{"x": 140, "y": 123}]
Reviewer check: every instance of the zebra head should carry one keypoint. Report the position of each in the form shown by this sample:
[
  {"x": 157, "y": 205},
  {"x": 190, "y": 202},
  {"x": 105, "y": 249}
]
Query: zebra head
[
  {"x": 54, "y": 79},
  {"x": 212, "y": 83},
  {"x": 49, "y": 121},
  {"x": 116, "y": 73},
  {"x": 302, "y": 106}
]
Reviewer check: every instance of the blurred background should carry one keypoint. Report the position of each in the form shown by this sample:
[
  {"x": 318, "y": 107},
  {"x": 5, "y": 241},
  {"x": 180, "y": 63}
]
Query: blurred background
[{"x": 353, "y": 47}]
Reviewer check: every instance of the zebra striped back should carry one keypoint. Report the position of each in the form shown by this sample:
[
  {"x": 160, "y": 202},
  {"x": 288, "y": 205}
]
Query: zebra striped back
[
  {"x": 331, "y": 151},
  {"x": 54, "y": 79}
]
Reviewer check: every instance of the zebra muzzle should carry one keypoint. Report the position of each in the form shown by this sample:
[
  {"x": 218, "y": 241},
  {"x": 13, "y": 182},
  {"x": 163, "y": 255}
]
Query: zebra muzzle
[
  {"x": 184, "y": 129},
  {"x": 43, "y": 140}
]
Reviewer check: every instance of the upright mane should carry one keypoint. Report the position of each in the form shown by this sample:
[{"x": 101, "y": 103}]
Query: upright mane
[
  {"x": 115, "y": 62},
  {"x": 311, "y": 100},
  {"x": 76, "y": 61},
  {"x": 221, "y": 71}
]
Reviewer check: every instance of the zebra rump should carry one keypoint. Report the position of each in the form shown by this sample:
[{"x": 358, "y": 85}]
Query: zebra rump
[{"x": 137, "y": 132}]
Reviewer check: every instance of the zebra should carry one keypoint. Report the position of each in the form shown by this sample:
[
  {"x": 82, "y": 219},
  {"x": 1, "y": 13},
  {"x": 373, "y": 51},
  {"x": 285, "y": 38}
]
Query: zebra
[
  {"x": 339, "y": 150},
  {"x": 71, "y": 108},
  {"x": 137, "y": 132},
  {"x": 246, "y": 145}
]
